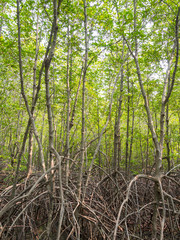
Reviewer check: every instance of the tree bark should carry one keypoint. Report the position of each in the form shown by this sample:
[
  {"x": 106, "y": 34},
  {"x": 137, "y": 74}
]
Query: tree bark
[
  {"x": 117, "y": 147},
  {"x": 29, "y": 165},
  {"x": 132, "y": 136},
  {"x": 167, "y": 134},
  {"x": 127, "y": 124},
  {"x": 68, "y": 104},
  {"x": 48, "y": 60},
  {"x": 83, "y": 102}
]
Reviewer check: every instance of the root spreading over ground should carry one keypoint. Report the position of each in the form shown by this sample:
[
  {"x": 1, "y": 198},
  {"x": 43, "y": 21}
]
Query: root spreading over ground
[{"x": 111, "y": 208}]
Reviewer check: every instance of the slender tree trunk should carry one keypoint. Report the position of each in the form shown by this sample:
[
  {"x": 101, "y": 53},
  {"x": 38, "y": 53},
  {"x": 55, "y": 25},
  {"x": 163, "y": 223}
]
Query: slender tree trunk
[
  {"x": 99, "y": 155},
  {"x": 141, "y": 148},
  {"x": 132, "y": 135},
  {"x": 68, "y": 104},
  {"x": 147, "y": 150},
  {"x": 127, "y": 123},
  {"x": 178, "y": 157},
  {"x": 83, "y": 102},
  {"x": 117, "y": 147},
  {"x": 167, "y": 138},
  {"x": 49, "y": 111},
  {"x": 117, "y": 139},
  {"x": 51, "y": 140},
  {"x": 29, "y": 166}
]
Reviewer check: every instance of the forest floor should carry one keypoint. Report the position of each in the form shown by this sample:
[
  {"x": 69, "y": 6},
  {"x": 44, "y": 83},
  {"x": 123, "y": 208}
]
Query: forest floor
[{"x": 33, "y": 208}]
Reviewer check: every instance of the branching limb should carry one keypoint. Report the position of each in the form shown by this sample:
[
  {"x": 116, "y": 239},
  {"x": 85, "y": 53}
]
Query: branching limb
[{"x": 127, "y": 198}]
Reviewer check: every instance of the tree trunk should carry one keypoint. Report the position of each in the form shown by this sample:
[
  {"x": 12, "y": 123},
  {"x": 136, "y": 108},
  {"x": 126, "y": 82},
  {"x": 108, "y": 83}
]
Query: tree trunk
[
  {"x": 167, "y": 138},
  {"x": 29, "y": 166},
  {"x": 127, "y": 124},
  {"x": 68, "y": 104},
  {"x": 132, "y": 136},
  {"x": 117, "y": 147},
  {"x": 83, "y": 103}
]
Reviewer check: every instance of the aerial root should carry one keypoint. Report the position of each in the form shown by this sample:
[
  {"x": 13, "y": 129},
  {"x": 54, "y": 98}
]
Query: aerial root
[{"x": 113, "y": 208}]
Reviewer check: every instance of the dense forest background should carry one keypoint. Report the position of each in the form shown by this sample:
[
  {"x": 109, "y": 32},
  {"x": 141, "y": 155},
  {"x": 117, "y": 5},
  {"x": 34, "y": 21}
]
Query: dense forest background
[{"x": 90, "y": 119}]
